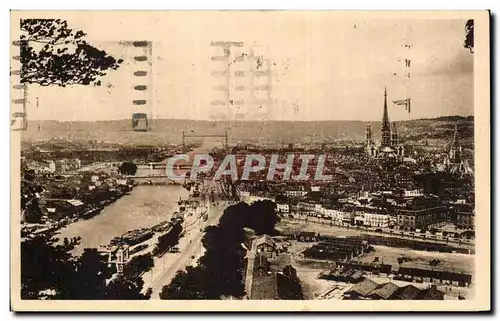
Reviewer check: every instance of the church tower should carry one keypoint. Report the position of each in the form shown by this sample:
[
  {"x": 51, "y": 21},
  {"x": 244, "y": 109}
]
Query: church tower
[
  {"x": 455, "y": 164},
  {"x": 368, "y": 135},
  {"x": 394, "y": 135},
  {"x": 386, "y": 126},
  {"x": 370, "y": 148}
]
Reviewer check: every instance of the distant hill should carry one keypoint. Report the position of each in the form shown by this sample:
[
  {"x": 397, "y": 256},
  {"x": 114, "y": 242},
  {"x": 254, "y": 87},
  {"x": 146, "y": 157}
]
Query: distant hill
[
  {"x": 453, "y": 118},
  {"x": 163, "y": 131}
]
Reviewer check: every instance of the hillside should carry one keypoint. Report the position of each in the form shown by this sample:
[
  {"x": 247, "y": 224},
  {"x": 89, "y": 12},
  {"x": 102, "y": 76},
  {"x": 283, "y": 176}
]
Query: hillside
[{"x": 165, "y": 131}]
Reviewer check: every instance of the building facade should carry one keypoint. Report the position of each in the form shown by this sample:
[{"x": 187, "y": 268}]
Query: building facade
[
  {"x": 266, "y": 246},
  {"x": 465, "y": 217},
  {"x": 423, "y": 218},
  {"x": 283, "y": 208},
  {"x": 376, "y": 219}
]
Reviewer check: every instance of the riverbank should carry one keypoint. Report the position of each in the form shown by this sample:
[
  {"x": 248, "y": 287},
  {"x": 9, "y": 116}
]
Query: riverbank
[
  {"x": 82, "y": 212},
  {"x": 144, "y": 207}
]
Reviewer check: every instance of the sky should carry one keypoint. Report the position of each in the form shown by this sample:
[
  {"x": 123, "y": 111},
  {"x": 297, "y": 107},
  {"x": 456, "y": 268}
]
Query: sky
[{"x": 325, "y": 66}]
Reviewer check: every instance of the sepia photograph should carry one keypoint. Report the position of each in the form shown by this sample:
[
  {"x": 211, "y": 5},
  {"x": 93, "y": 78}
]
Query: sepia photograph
[{"x": 220, "y": 160}]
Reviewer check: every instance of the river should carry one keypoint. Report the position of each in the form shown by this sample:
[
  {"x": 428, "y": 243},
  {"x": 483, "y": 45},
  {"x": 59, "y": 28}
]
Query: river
[{"x": 145, "y": 206}]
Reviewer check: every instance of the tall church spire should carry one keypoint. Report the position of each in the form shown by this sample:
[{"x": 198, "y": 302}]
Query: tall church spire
[
  {"x": 455, "y": 148},
  {"x": 386, "y": 126}
]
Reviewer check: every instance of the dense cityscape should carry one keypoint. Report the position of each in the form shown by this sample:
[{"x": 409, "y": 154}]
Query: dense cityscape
[
  {"x": 396, "y": 221},
  {"x": 184, "y": 168}
]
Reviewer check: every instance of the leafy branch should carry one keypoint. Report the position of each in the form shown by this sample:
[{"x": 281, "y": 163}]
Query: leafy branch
[
  {"x": 53, "y": 54},
  {"x": 469, "y": 35}
]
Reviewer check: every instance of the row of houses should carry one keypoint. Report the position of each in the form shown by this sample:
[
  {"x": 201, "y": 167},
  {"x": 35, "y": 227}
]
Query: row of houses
[
  {"x": 410, "y": 274},
  {"x": 421, "y": 217},
  {"x": 371, "y": 290},
  {"x": 375, "y": 268},
  {"x": 405, "y": 208},
  {"x": 369, "y": 216},
  {"x": 336, "y": 249},
  {"x": 434, "y": 276},
  {"x": 58, "y": 165}
]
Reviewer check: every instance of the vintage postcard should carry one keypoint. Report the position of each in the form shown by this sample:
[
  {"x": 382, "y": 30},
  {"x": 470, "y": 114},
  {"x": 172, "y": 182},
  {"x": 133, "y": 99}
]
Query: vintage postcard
[{"x": 250, "y": 161}]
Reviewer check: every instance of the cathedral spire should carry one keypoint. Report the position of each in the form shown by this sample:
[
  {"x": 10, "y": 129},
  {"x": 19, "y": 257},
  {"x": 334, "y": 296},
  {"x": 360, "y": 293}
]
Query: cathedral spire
[
  {"x": 455, "y": 148},
  {"x": 386, "y": 127},
  {"x": 455, "y": 135},
  {"x": 385, "y": 117}
]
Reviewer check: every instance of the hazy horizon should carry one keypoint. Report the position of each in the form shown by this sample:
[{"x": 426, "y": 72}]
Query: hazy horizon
[
  {"x": 243, "y": 120},
  {"x": 171, "y": 131}
]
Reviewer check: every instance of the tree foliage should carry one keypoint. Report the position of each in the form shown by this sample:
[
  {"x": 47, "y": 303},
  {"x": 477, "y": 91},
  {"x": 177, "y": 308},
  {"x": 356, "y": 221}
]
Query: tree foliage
[
  {"x": 186, "y": 285},
  {"x": 469, "y": 35},
  {"x": 263, "y": 217},
  {"x": 49, "y": 271},
  {"x": 220, "y": 271},
  {"x": 32, "y": 211},
  {"x": 54, "y": 54},
  {"x": 88, "y": 280},
  {"x": 29, "y": 201},
  {"x": 168, "y": 240},
  {"x": 128, "y": 168},
  {"x": 139, "y": 264},
  {"x": 45, "y": 266},
  {"x": 126, "y": 288}
]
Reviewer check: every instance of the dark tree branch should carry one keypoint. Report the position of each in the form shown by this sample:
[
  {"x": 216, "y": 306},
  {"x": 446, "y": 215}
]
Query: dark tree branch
[
  {"x": 469, "y": 35},
  {"x": 59, "y": 66}
]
